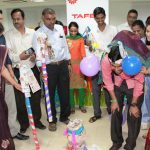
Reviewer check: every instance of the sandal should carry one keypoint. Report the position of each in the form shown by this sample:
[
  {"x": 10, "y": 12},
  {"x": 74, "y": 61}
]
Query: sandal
[
  {"x": 144, "y": 136},
  {"x": 72, "y": 110},
  {"x": 52, "y": 126},
  {"x": 93, "y": 119},
  {"x": 83, "y": 109}
]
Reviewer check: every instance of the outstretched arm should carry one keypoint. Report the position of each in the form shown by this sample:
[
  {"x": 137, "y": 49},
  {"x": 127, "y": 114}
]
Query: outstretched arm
[
  {"x": 8, "y": 77},
  {"x": 108, "y": 83}
]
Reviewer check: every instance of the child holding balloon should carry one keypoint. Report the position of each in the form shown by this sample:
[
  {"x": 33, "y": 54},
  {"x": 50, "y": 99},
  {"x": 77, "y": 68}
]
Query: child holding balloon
[
  {"x": 77, "y": 51},
  {"x": 123, "y": 84}
]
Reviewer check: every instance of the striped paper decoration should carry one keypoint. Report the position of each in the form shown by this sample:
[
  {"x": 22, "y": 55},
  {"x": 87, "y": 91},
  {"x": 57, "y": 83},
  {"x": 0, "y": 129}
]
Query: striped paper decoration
[{"x": 30, "y": 116}]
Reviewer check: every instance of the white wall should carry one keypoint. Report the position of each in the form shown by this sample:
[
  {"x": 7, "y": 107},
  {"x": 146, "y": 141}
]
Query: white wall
[
  {"x": 118, "y": 11},
  {"x": 33, "y": 15},
  {"x": 143, "y": 9},
  {"x": 117, "y": 17}
]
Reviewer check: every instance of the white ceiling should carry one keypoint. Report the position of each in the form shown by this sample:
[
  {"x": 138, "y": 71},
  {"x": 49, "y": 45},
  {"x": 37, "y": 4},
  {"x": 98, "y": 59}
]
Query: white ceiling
[{"x": 27, "y": 3}]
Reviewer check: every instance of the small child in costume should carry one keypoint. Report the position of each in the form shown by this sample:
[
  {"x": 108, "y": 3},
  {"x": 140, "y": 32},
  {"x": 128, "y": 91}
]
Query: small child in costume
[{"x": 75, "y": 133}]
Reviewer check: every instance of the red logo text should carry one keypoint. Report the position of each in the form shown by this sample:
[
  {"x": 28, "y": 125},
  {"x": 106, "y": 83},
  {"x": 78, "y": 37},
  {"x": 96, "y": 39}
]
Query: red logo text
[{"x": 82, "y": 16}]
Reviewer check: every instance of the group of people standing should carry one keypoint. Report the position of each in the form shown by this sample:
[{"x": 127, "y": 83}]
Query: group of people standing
[{"x": 63, "y": 67}]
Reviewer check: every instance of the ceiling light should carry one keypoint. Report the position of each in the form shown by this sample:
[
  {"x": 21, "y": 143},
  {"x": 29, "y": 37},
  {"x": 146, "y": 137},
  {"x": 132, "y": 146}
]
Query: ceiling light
[
  {"x": 14, "y": 1},
  {"x": 37, "y": 1}
]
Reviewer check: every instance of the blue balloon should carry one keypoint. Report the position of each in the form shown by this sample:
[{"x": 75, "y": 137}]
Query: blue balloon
[{"x": 131, "y": 65}]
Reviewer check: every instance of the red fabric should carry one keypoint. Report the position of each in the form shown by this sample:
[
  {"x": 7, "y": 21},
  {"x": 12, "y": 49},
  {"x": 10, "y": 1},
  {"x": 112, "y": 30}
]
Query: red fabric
[
  {"x": 147, "y": 144},
  {"x": 77, "y": 49},
  {"x": 89, "y": 83},
  {"x": 76, "y": 68},
  {"x": 65, "y": 30},
  {"x": 77, "y": 52},
  {"x": 70, "y": 148}
]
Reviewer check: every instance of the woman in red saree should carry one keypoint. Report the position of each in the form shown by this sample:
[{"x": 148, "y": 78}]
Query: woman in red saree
[{"x": 6, "y": 141}]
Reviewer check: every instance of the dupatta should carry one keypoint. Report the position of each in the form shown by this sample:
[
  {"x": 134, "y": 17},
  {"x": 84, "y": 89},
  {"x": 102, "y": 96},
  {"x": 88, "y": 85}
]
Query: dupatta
[{"x": 133, "y": 45}]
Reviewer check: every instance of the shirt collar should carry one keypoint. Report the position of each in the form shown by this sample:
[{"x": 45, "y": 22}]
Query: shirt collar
[
  {"x": 46, "y": 29},
  {"x": 98, "y": 30},
  {"x": 143, "y": 39},
  {"x": 26, "y": 31},
  {"x": 126, "y": 24}
]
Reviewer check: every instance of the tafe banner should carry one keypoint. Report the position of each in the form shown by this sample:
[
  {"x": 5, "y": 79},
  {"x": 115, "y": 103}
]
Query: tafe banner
[{"x": 81, "y": 11}]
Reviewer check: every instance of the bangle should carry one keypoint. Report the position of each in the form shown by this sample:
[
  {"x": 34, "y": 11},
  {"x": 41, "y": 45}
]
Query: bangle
[{"x": 113, "y": 101}]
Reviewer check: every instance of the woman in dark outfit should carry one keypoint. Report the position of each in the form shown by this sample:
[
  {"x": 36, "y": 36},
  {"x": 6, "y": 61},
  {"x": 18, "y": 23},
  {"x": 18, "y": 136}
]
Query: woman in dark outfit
[{"x": 6, "y": 141}]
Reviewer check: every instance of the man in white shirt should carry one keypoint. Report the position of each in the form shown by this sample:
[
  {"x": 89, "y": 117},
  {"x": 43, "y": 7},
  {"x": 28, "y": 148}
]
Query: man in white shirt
[
  {"x": 57, "y": 64},
  {"x": 131, "y": 17},
  {"x": 19, "y": 40},
  {"x": 103, "y": 36}
]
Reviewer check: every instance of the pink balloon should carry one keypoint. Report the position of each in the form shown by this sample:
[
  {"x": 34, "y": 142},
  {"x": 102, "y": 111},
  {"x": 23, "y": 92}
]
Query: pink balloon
[{"x": 90, "y": 65}]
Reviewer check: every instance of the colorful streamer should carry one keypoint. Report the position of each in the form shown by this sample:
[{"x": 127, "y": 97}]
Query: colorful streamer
[
  {"x": 30, "y": 116},
  {"x": 44, "y": 48},
  {"x": 26, "y": 75},
  {"x": 48, "y": 104}
]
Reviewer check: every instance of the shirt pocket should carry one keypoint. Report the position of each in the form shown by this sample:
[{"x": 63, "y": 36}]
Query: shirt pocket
[{"x": 61, "y": 41}]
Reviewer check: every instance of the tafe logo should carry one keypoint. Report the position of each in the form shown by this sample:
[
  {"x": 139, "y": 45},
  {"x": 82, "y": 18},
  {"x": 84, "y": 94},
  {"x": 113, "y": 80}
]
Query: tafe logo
[
  {"x": 82, "y": 16},
  {"x": 72, "y": 1}
]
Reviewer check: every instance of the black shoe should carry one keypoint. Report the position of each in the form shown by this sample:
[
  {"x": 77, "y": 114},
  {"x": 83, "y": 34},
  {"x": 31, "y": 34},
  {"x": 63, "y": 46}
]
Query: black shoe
[
  {"x": 20, "y": 136},
  {"x": 127, "y": 147},
  {"x": 39, "y": 125},
  {"x": 65, "y": 121},
  {"x": 115, "y": 147},
  {"x": 23, "y": 130}
]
